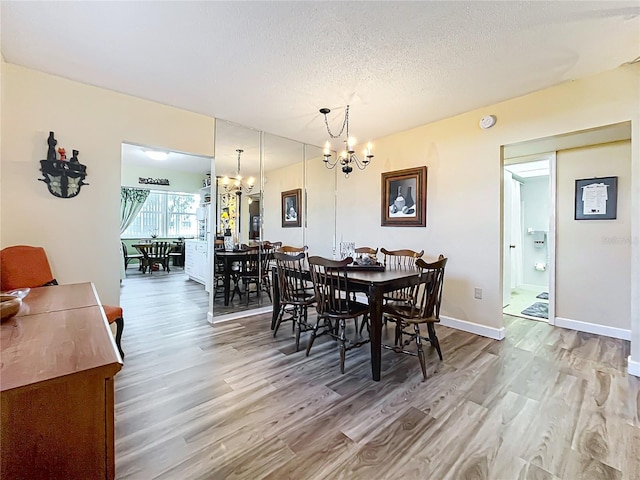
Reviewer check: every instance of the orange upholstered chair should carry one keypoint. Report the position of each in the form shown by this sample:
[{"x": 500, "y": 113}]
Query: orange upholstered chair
[{"x": 23, "y": 266}]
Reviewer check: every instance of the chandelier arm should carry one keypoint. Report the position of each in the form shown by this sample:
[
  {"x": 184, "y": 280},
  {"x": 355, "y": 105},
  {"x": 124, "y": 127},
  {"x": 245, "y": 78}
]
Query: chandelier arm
[{"x": 330, "y": 165}]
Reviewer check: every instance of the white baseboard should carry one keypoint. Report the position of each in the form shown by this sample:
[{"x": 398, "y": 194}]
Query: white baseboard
[
  {"x": 604, "y": 330},
  {"x": 235, "y": 316},
  {"x": 475, "y": 328},
  {"x": 633, "y": 367}
]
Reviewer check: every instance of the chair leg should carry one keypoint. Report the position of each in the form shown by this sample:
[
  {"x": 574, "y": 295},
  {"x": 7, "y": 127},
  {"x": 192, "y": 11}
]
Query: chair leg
[
  {"x": 312, "y": 337},
  {"x": 398, "y": 338},
  {"x": 119, "y": 328},
  {"x": 431, "y": 328},
  {"x": 296, "y": 321},
  {"x": 416, "y": 329},
  {"x": 267, "y": 285},
  {"x": 294, "y": 316},
  {"x": 343, "y": 340},
  {"x": 279, "y": 321}
]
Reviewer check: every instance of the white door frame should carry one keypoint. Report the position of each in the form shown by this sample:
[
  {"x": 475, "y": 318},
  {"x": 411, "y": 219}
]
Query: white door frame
[{"x": 551, "y": 239}]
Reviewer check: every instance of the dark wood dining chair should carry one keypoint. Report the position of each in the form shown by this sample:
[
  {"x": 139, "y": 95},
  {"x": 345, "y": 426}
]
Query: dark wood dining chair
[
  {"x": 276, "y": 245},
  {"x": 399, "y": 259},
  {"x": 289, "y": 249},
  {"x": 295, "y": 298},
  {"x": 177, "y": 254},
  {"x": 366, "y": 251},
  {"x": 158, "y": 254},
  {"x": 334, "y": 303},
  {"x": 25, "y": 266},
  {"x": 257, "y": 270},
  {"x": 129, "y": 257},
  {"x": 423, "y": 307}
]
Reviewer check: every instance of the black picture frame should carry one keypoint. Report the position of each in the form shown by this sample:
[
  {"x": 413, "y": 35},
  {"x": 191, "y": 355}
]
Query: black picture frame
[
  {"x": 291, "y": 208},
  {"x": 411, "y": 210},
  {"x": 600, "y": 202}
]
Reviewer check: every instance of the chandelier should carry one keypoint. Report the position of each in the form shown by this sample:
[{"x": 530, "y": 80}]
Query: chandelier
[
  {"x": 348, "y": 158},
  {"x": 237, "y": 186}
]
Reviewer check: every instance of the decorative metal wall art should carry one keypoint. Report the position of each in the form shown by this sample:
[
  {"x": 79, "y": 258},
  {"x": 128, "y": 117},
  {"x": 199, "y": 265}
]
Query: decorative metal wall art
[
  {"x": 63, "y": 178},
  {"x": 153, "y": 181}
]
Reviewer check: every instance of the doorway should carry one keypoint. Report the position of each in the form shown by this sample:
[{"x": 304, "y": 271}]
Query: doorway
[
  {"x": 173, "y": 214},
  {"x": 527, "y": 221}
]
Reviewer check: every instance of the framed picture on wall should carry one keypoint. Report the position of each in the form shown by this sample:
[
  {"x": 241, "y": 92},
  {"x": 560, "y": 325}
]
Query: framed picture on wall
[
  {"x": 404, "y": 198},
  {"x": 596, "y": 198},
  {"x": 291, "y": 208}
]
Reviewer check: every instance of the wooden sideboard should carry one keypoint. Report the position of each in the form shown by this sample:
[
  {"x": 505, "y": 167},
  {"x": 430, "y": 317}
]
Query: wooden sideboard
[{"x": 56, "y": 389}]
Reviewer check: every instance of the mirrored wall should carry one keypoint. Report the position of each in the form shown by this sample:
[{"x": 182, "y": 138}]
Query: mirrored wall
[{"x": 279, "y": 193}]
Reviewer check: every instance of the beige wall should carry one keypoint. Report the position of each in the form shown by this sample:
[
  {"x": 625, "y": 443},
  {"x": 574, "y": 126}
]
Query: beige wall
[
  {"x": 593, "y": 267},
  {"x": 81, "y": 234}
]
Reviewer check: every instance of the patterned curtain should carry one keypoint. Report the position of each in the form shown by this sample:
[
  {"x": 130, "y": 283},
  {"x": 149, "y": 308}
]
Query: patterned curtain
[{"x": 131, "y": 202}]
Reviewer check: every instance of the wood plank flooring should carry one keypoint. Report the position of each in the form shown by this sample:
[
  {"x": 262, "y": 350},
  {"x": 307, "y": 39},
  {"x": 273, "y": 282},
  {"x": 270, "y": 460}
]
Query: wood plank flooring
[{"x": 230, "y": 401}]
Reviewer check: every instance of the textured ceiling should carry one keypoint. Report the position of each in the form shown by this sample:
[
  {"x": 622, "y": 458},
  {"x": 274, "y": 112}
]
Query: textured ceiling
[{"x": 272, "y": 65}]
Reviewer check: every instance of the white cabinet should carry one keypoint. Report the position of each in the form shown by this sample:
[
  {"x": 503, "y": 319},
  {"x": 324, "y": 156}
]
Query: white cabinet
[{"x": 196, "y": 261}]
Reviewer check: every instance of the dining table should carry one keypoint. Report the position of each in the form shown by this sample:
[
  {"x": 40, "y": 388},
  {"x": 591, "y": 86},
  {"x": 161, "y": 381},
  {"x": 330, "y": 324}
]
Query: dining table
[{"x": 375, "y": 283}]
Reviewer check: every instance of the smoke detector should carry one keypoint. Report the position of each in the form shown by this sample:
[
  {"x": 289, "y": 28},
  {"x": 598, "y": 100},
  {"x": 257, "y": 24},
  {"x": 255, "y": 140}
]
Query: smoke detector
[{"x": 487, "y": 121}]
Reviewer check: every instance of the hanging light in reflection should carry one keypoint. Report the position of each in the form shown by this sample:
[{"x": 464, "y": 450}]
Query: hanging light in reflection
[
  {"x": 347, "y": 158},
  {"x": 236, "y": 184}
]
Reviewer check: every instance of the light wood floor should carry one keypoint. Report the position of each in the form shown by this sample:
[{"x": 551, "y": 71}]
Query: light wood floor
[
  {"x": 229, "y": 401},
  {"x": 143, "y": 281}
]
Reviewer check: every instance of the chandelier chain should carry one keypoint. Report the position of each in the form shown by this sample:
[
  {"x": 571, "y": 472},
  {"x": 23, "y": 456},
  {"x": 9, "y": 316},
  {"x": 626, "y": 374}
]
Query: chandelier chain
[{"x": 345, "y": 123}]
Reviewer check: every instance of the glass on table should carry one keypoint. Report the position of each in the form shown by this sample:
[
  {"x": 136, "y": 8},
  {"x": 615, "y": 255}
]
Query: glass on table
[{"x": 347, "y": 249}]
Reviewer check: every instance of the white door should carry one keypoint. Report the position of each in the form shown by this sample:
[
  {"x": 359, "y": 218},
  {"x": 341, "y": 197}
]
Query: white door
[{"x": 506, "y": 243}]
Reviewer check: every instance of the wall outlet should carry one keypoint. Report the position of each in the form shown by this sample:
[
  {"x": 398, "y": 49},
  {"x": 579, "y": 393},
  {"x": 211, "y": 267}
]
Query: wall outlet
[{"x": 477, "y": 293}]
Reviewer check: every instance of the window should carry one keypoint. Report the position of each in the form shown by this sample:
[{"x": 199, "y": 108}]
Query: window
[{"x": 166, "y": 214}]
